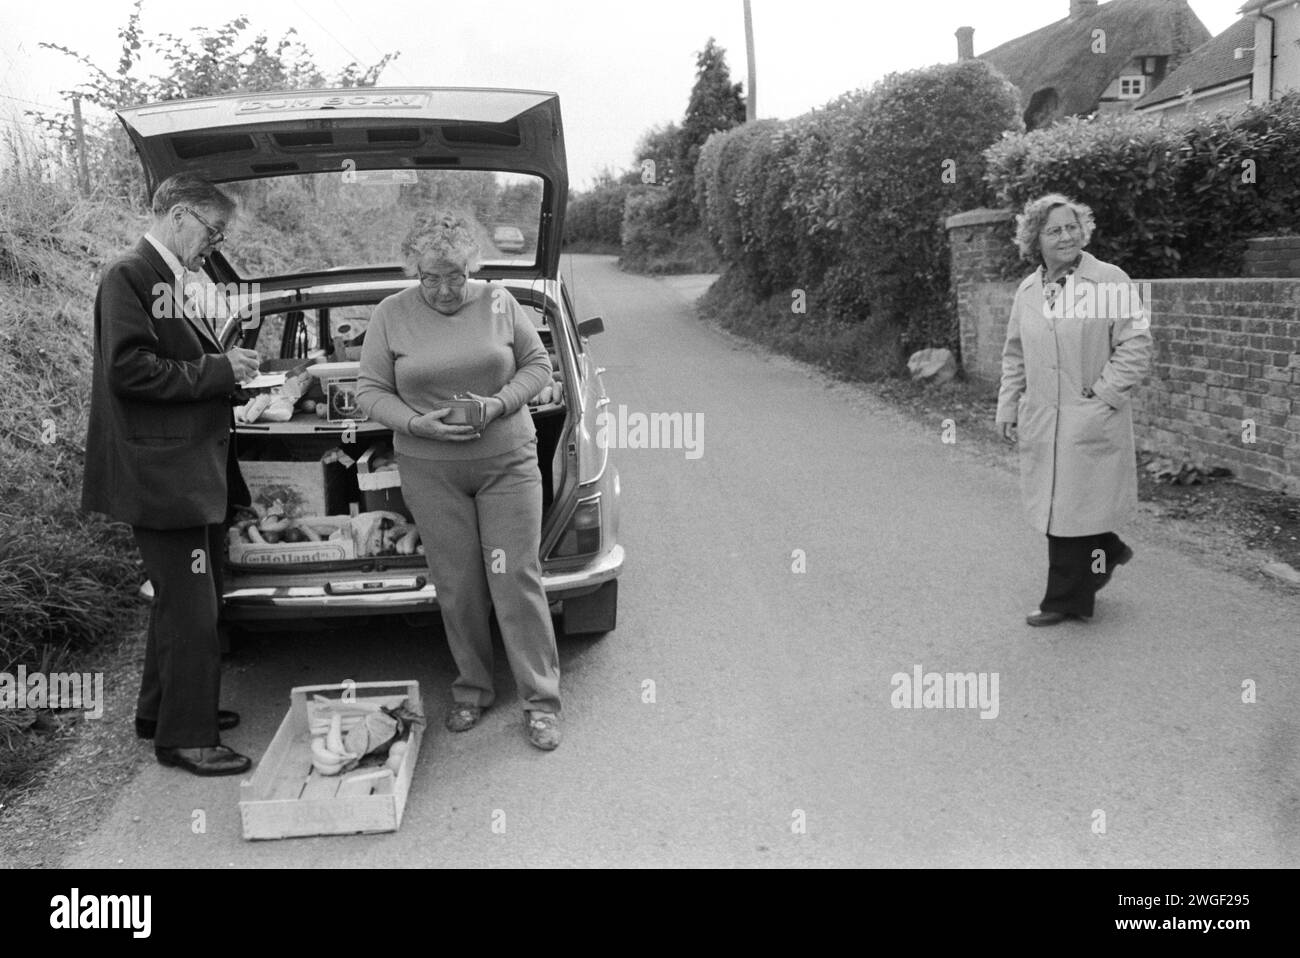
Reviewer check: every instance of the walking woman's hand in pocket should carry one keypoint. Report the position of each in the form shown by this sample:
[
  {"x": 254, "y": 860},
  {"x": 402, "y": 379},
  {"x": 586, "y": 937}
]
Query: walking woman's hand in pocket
[{"x": 430, "y": 426}]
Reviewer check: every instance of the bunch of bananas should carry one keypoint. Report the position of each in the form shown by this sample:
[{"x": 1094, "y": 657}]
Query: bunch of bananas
[
  {"x": 329, "y": 756},
  {"x": 357, "y": 730}
]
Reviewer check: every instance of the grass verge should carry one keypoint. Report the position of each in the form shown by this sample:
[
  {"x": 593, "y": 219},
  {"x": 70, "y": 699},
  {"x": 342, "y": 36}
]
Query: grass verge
[{"x": 67, "y": 581}]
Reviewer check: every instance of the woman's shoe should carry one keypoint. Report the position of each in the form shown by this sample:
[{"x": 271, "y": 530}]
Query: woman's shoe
[
  {"x": 1120, "y": 559},
  {"x": 462, "y": 718},
  {"x": 544, "y": 730},
  {"x": 1038, "y": 617}
]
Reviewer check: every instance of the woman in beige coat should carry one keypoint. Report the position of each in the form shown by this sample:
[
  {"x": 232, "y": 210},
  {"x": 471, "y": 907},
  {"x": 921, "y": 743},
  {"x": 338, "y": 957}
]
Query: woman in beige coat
[{"x": 1078, "y": 341}]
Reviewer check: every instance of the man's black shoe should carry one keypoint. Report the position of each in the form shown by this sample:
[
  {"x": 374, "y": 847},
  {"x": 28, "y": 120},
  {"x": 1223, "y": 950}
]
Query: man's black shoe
[
  {"x": 214, "y": 760},
  {"x": 148, "y": 728}
]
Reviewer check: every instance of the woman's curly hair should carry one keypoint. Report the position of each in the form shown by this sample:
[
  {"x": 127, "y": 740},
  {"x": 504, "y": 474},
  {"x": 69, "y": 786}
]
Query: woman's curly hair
[
  {"x": 1031, "y": 222},
  {"x": 444, "y": 235}
]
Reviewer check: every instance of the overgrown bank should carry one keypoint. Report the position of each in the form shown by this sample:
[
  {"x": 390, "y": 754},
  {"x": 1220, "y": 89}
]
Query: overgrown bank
[{"x": 67, "y": 581}]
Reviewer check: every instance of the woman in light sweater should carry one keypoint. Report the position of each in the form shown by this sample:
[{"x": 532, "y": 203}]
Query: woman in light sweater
[{"x": 475, "y": 496}]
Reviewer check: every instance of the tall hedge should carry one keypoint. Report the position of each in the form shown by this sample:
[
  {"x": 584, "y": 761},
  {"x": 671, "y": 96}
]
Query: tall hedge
[
  {"x": 1239, "y": 176},
  {"x": 732, "y": 168},
  {"x": 1124, "y": 167},
  {"x": 905, "y": 162},
  {"x": 848, "y": 202},
  {"x": 596, "y": 216},
  {"x": 646, "y": 233},
  {"x": 1179, "y": 199}
]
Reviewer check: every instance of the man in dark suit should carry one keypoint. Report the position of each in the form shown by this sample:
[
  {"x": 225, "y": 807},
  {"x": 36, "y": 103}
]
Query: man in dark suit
[{"x": 159, "y": 456}]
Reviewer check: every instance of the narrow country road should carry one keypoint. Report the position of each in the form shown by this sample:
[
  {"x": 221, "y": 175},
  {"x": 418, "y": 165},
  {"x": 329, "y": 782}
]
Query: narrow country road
[{"x": 775, "y": 584}]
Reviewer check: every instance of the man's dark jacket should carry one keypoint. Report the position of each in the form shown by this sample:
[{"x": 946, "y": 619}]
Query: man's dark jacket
[{"x": 158, "y": 450}]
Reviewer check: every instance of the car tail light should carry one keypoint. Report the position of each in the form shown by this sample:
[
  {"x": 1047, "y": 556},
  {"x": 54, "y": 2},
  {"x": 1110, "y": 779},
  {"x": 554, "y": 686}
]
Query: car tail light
[{"x": 581, "y": 534}]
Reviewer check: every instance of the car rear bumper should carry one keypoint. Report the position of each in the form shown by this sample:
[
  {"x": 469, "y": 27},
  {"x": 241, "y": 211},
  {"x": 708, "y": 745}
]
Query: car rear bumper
[{"x": 313, "y": 601}]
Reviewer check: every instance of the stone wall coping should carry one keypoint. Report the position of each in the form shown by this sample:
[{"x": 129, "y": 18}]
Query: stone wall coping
[
  {"x": 980, "y": 217},
  {"x": 1169, "y": 281},
  {"x": 1226, "y": 280},
  {"x": 1271, "y": 242}
]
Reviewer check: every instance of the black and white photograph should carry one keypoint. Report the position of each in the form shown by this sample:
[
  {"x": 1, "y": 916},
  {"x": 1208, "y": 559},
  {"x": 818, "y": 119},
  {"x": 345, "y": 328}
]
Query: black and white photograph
[{"x": 723, "y": 435}]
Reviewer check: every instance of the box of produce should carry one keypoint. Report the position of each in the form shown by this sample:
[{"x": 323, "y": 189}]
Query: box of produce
[
  {"x": 341, "y": 762},
  {"x": 298, "y": 486},
  {"x": 384, "y": 533},
  {"x": 273, "y": 538},
  {"x": 319, "y": 487}
]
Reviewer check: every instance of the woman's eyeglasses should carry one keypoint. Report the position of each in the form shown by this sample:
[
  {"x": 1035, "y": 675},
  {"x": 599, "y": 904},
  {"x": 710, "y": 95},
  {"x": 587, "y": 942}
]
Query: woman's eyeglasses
[
  {"x": 1056, "y": 232},
  {"x": 453, "y": 282}
]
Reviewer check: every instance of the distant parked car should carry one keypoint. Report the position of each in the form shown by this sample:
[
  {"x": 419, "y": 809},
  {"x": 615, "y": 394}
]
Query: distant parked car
[
  {"x": 369, "y": 160},
  {"x": 508, "y": 239}
]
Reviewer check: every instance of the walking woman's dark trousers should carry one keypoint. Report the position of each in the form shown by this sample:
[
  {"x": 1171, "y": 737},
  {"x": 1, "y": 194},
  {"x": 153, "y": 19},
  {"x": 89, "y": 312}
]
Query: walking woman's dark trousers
[{"x": 1077, "y": 567}]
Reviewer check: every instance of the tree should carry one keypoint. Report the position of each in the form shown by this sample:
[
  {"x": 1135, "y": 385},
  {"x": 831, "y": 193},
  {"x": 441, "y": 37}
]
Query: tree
[
  {"x": 658, "y": 146},
  {"x": 716, "y": 104}
]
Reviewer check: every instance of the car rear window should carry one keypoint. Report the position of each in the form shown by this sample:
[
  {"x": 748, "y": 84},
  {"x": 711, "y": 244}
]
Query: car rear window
[{"x": 360, "y": 218}]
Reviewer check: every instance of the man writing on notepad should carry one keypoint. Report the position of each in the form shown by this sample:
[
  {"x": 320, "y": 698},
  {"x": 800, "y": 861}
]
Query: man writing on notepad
[{"x": 159, "y": 456}]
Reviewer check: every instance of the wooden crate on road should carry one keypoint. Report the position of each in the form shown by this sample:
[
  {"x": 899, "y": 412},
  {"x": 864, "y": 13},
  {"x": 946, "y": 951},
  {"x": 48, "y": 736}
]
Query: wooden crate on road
[{"x": 287, "y": 798}]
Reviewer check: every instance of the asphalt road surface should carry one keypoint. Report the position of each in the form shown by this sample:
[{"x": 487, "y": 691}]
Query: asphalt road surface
[{"x": 773, "y": 737}]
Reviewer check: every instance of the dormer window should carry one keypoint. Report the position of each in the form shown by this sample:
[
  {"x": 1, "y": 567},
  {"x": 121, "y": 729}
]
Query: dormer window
[
  {"x": 1130, "y": 88},
  {"x": 1150, "y": 65}
]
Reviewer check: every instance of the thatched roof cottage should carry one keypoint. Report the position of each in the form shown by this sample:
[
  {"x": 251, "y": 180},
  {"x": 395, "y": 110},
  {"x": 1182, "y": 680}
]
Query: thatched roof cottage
[{"x": 1102, "y": 57}]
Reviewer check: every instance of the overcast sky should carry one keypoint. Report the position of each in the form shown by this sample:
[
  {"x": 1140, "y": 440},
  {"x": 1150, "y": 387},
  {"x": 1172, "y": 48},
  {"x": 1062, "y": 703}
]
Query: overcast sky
[{"x": 619, "y": 67}]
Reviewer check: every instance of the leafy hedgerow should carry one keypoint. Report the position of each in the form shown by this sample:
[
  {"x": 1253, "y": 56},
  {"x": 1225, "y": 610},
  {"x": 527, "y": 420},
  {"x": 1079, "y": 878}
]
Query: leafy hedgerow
[
  {"x": 595, "y": 217},
  {"x": 1174, "y": 200},
  {"x": 848, "y": 202}
]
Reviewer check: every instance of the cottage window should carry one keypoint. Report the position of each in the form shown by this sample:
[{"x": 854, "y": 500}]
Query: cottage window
[{"x": 1130, "y": 88}]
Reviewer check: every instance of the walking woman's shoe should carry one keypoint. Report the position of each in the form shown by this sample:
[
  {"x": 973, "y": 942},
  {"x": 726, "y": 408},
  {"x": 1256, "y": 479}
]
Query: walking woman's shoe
[
  {"x": 462, "y": 718},
  {"x": 1120, "y": 559},
  {"x": 1038, "y": 617},
  {"x": 544, "y": 730}
]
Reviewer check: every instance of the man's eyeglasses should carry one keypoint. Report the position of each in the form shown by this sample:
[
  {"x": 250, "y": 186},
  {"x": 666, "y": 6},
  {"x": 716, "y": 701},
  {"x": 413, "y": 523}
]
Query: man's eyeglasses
[
  {"x": 1056, "y": 232},
  {"x": 453, "y": 282},
  {"x": 215, "y": 236}
]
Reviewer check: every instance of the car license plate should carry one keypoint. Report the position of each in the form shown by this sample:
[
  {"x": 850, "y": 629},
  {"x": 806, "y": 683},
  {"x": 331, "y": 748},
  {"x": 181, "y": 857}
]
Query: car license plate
[{"x": 362, "y": 586}]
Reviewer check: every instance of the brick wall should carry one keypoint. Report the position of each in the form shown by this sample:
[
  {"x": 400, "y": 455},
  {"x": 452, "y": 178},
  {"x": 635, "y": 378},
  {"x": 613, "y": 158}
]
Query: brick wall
[
  {"x": 1272, "y": 256},
  {"x": 1227, "y": 356}
]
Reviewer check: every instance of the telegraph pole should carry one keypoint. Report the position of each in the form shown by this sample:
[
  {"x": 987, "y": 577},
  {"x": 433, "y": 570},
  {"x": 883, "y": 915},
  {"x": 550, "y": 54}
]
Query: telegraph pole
[
  {"x": 751, "y": 98},
  {"x": 83, "y": 171}
]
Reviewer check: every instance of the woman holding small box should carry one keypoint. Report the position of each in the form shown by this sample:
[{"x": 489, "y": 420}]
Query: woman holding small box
[{"x": 475, "y": 490}]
